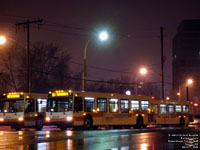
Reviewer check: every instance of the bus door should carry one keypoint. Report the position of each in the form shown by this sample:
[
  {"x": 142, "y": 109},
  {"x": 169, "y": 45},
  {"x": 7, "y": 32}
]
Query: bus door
[{"x": 29, "y": 113}]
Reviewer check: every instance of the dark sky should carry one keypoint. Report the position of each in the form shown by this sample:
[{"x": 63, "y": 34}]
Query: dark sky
[{"x": 134, "y": 25}]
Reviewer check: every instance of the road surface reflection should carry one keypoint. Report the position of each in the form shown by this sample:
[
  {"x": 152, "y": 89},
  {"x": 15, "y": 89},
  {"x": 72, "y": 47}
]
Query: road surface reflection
[{"x": 126, "y": 139}]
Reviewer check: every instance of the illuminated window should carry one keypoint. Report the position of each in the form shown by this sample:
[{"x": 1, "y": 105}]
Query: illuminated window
[
  {"x": 135, "y": 104},
  {"x": 163, "y": 109},
  {"x": 170, "y": 109},
  {"x": 124, "y": 105},
  {"x": 156, "y": 109},
  {"x": 185, "y": 108},
  {"x": 178, "y": 109},
  {"x": 88, "y": 104},
  {"x": 102, "y": 104},
  {"x": 113, "y": 105},
  {"x": 144, "y": 104}
]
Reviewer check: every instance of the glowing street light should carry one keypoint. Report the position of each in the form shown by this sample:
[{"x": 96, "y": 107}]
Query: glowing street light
[
  {"x": 189, "y": 82},
  {"x": 128, "y": 92},
  {"x": 143, "y": 71},
  {"x": 2, "y": 40},
  {"x": 103, "y": 36}
]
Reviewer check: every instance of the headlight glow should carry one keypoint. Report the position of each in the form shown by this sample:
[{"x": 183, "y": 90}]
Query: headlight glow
[
  {"x": 47, "y": 119},
  {"x": 20, "y": 118},
  {"x": 69, "y": 118}
]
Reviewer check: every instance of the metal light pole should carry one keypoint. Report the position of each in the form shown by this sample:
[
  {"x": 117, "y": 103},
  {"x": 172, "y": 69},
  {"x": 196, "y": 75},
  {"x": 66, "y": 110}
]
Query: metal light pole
[
  {"x": 189, "y": 82},
  {"x": 84, "y": 72},
  {"x": 102, "y": 36}
]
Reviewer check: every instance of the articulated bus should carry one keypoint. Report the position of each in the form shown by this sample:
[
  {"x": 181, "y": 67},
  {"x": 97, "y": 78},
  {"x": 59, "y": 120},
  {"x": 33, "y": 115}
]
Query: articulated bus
[
  {"x": 87, "y": 109},
  {"x": 20, "y": 110}
]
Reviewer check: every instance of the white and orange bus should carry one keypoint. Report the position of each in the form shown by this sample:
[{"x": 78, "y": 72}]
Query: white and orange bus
[
  {"x": 20, "y": 110},
  {"x": 173, "y": 112},
  {"x": 87, "y": 109}
]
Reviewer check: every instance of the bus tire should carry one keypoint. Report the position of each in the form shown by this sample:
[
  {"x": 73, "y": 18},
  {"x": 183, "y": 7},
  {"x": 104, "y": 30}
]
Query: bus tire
[
  {"x": 139, "y": 122},
  {"x": 87, "y": 124},
  {"x": 182, "y": 122},
  {"x": 39, "y": 123}
]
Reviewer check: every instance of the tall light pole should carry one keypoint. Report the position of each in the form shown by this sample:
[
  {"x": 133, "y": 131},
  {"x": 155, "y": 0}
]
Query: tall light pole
[
  {"x": 103, "y": 36},
  {"x": 142, "y": 71},
  {"x": 189, "y": 82}
]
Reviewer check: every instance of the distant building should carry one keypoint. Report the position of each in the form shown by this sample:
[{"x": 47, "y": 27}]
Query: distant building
[{"x": 186, "y": 60}]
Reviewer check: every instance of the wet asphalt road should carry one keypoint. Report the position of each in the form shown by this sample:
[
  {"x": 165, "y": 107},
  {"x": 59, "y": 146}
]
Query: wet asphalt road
[{"x": 152, "y": 138}]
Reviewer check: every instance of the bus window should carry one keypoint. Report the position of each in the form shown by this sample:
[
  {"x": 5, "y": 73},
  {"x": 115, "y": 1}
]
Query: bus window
[
  {"x": 78, "y": 104},
  {"x": 41, "y": 105},
  {"x": 185, "y": 109},
  {"x": 29, "y": 105},
  {"x": 135, "y": 104},
  {"x": 88, "y": 104},
  {"x": 170, "y": 109},
  {"x": 124, "y": 105},
  {"x": 144, "y": 104},
  {"x": 113, "y": 105},
  {"x": 13, "y": 105},
  {"x": 178, "y": 109},
  {"x": 102, "y": 104},
  {"x": 156, "y": 109},
  {"x": 163, "y": 110}
]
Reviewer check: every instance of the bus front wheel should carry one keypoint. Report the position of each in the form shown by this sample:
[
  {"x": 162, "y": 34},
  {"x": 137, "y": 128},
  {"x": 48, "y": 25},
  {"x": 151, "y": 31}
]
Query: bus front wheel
[{"x": 87, "y": 123}]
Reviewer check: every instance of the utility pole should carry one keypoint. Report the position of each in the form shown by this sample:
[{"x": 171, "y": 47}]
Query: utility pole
[
  {"x": 162, "y": 62},
  {"x": 27, "y": 25}
]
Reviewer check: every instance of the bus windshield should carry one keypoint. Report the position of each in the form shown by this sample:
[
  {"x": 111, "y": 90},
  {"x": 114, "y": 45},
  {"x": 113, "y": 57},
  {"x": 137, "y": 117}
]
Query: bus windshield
[
  {"x": 59, "y": 104},
  {"x": 12, "y": 106}
]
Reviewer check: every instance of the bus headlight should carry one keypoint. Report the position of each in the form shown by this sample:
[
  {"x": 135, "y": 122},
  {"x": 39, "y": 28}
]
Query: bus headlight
[
  {"x": 20, "y": 118},
  {"x": 47, "y": 119},
  {"x": 69, "y": 118},
  {"x": 1, "y": 119}
]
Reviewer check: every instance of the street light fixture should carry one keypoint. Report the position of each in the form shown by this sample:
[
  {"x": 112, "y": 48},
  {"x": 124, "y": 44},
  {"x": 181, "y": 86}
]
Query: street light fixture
[
  {"x": 142, "y": 71},
  {"x": 103, "y": 36},
  {"x": 2, "y": 40}
]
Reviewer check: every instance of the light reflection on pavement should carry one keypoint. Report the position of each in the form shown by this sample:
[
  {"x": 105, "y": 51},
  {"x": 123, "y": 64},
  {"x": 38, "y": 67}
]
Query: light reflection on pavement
[{"x": 124, "y": 139}]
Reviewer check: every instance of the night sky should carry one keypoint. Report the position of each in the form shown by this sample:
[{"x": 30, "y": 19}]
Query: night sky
[{"x": 134, "y": 27}]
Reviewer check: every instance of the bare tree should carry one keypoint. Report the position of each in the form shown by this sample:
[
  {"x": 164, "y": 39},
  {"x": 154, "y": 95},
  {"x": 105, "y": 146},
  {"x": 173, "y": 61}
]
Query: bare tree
[{"x": 49, "y": 68}]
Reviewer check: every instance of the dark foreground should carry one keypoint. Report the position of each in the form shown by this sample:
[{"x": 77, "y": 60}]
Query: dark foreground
[{"x": 171, "y": 138}]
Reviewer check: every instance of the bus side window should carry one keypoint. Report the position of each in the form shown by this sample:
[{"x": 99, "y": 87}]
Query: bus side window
[
  {"x": 163, "y": 109},
  {"x": 156, "y": 109},
  {"x": 88, "y": 104},
  {"x": 185, "y": 108},
  {"x": 78, "y": 105},
  {"x": 178, "y": 109},
  {"x": 124, "y": 105}
]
